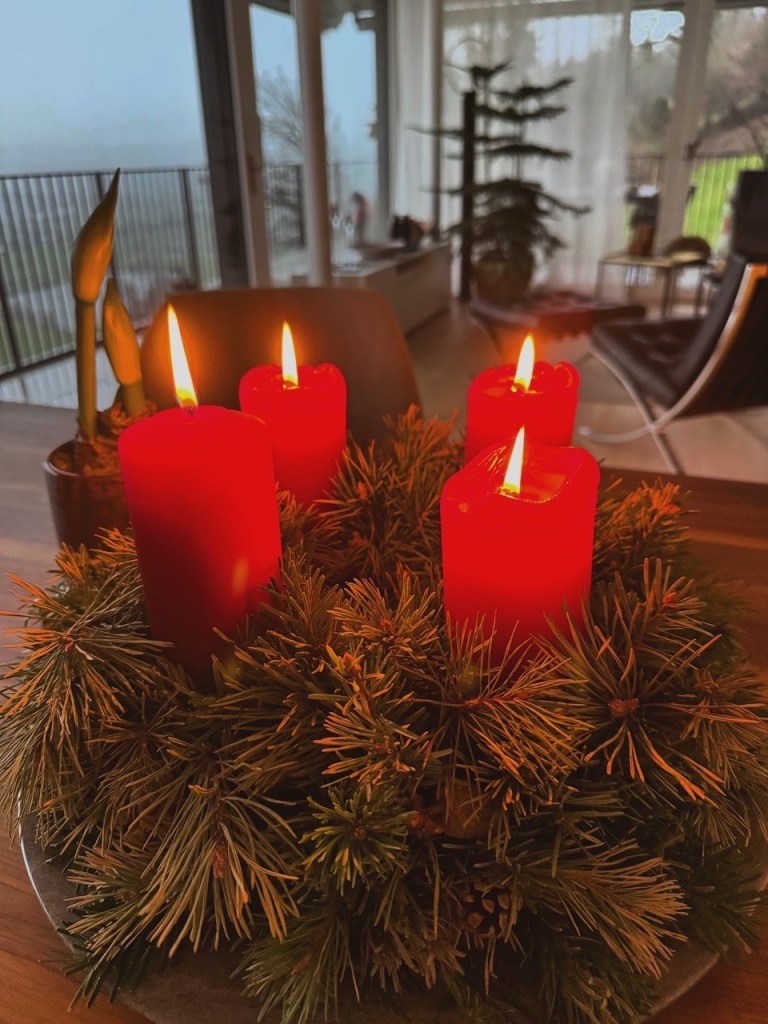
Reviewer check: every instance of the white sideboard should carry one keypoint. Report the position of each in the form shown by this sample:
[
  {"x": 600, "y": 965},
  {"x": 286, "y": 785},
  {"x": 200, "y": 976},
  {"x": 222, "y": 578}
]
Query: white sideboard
[{"x": 417, "y": 284}]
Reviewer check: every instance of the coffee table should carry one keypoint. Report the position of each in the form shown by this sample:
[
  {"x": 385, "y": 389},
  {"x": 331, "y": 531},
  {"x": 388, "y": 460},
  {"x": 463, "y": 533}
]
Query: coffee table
[
  {"x": 547, "y": 316},
  {"x": 669, "y": 267}
]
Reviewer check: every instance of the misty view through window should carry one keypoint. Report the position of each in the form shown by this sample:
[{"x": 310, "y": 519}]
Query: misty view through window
[{"x": 92, "y": 86}]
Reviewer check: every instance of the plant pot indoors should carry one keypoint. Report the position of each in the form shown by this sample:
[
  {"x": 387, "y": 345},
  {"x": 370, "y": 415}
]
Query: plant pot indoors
[
  {"x": 83, "y": 502},
  {"x": 82, "y": 476}
]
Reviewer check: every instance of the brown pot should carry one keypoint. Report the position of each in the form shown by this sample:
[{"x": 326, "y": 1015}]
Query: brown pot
[
  {"x": 501, "y": 283},
  {"x": 82, "y": 504}
]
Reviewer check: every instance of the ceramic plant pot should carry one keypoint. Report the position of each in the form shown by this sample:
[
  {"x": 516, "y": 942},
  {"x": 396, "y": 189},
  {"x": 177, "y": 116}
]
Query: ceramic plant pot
[
  {"x": 82, "y": 503},
  {"x": 500, "y": 282}
]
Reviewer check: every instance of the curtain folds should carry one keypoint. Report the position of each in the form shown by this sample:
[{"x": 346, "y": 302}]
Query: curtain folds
[{"x": 587, "y": 40}]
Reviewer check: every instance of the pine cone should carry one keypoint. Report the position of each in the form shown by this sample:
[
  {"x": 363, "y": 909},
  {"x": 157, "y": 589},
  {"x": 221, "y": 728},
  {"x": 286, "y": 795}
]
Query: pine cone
[{"x": 487, "y": 912}]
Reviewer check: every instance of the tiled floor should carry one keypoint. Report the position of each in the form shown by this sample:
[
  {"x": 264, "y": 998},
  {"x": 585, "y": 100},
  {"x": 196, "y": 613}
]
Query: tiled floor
[{"x": 451, "y": 349}]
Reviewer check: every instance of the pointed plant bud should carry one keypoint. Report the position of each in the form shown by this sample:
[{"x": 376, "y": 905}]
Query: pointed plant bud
[
  {"x": 92, "y": 250},
  {"x": 122, "y": 350},
  {"x": 119, "y": 337}
]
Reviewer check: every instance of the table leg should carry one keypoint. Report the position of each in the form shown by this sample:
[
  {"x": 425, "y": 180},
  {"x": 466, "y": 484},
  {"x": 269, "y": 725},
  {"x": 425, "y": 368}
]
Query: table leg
[
  {"x": 699, "y": 291},
  {"x": 599, "y": 281},
  {"x": 668, "y": 291}
]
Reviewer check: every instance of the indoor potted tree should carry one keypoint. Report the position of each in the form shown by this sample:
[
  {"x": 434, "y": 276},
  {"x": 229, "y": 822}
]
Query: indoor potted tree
[{"x": 506, "y": 216}]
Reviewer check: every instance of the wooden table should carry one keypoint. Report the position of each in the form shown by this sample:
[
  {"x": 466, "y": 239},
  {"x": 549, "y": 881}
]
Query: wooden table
[{"x": 730, "y": 532}]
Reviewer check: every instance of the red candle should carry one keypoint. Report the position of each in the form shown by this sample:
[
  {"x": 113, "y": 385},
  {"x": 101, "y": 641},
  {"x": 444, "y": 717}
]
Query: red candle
[
  {"x": 513, "y": 556},
  {"x": 538, "y": 396},
  {"x": 305, "y": 410},
  {"x": 201, "y": 494}
]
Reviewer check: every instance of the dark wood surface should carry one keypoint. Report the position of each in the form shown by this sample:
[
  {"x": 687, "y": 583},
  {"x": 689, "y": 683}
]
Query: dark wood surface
[
  {"x": 730, "y": 531},
  {"x": 33, "y": 990}
]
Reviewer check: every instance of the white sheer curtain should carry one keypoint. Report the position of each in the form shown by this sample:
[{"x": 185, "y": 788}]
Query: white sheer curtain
[
  {"x": 411, "y": 74},
  {"x": 587, "y": 40}
]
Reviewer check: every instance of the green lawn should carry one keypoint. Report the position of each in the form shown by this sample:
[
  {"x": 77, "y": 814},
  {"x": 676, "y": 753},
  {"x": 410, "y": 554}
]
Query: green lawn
[{"x": 714, "y": 180}]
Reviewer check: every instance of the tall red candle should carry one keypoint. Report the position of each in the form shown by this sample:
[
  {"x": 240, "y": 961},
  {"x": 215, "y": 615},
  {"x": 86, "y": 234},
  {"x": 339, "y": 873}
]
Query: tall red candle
[
  {"x": 500, "y": 400},
  {"x": 200, "y": 488},
  {"x": 305, "y": 410},
  {"x": 517, "y": 558}
]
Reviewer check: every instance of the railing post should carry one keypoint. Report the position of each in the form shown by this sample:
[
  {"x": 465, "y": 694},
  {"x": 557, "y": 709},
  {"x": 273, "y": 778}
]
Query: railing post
[
  {"x": 300, "y": 204},
  {"x": 337, "y": 186},
  {"x": 10, "y": 330},
  {"x": 190, "y": 218}
]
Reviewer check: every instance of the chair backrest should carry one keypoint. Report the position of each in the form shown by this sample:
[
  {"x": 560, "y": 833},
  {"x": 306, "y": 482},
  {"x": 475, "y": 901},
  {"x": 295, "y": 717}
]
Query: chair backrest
[
  {"x": 749, "y": 231},
  {"x": 725, "y": 366},
  {"x": 226, "y": 332}
]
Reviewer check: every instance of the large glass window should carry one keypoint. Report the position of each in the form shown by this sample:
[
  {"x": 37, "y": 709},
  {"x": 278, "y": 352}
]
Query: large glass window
[
  {"x": 93, "y": 86},
  {"x": 655, "y": 46},
  {"x": 355, "y": 128},
  {"x": 655, "y": 36},
  {"x": 733, "y": 134},
  {"x": 89, "y": 87},
  {"x": 733, "y": 131}
]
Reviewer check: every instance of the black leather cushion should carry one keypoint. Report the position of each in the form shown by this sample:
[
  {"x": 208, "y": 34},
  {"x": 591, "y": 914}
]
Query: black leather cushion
[
  {"x": 647, "y": 352},
  {"x": 749, "y": 234}
]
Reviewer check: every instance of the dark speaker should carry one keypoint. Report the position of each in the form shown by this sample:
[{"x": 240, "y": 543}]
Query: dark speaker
[{"x": 749, "y": 235}]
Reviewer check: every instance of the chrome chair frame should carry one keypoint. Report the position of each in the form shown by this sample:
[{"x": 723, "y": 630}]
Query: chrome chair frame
[{"x": 654, "y": 423}]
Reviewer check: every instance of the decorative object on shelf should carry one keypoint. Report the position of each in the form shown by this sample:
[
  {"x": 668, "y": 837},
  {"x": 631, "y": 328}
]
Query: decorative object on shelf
[
  {"x": 305, "y": 410},
  {"x": 82, "y": 476},
  {"x": 369, "y": 807},
  {"x": 505, "y": 220},
  {"x": 408, "y": 231},
  {"x": 535, "y": 395},
  {"x": 644, "y": 200}
]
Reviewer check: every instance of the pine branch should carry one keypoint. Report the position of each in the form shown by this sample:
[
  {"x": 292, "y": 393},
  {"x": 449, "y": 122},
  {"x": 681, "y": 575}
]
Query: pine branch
[
  {"x": 305, "y": 973},
  {"x": 385, "y": 509}
]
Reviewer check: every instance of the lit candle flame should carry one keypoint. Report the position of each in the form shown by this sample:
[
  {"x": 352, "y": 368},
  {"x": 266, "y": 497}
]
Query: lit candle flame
[
  {"x": 524, "y": 370},
  {"x": 290, "y": 372},
  {"x": 512, "y": 477},
  {"x": 182, "y": 378}
]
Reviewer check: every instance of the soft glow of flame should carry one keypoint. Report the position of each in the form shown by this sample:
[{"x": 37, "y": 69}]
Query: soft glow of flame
[
  {"x": 514, "y": 471},
  {"x": 290, "y": 372},
  {"x": 182, "y": 378},
  {"x": 524, "y": 370}
]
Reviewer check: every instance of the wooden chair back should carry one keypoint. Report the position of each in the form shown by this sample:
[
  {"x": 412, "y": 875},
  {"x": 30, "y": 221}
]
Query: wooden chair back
[{"x": 226, "y": 332}]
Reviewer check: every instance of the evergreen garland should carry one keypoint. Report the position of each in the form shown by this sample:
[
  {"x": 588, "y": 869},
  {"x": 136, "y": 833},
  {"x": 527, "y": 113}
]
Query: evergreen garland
[{"x": 370, "y": 806}]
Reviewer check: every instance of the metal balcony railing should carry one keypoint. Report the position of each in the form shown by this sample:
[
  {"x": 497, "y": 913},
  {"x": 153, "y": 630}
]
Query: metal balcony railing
[{"x": 164, "y": 241}]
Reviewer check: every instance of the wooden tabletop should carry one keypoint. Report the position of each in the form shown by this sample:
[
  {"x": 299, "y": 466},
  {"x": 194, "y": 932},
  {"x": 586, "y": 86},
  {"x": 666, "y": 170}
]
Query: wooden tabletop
[{"x": 730, "y": 531}]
